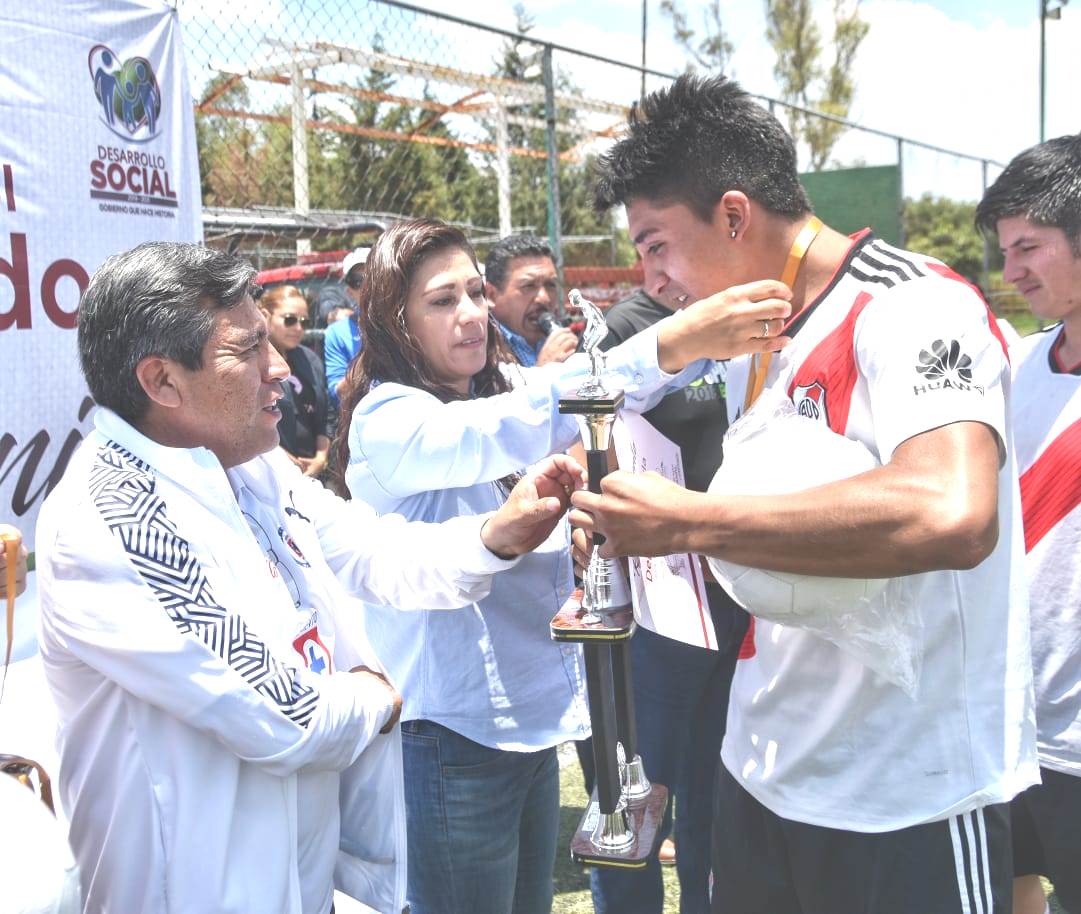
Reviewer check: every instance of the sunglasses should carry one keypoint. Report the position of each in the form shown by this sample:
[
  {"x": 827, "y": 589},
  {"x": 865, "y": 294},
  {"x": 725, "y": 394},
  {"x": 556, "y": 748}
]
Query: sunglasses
[
  {"x": 354, "y": 280},
  {"x": 291, "y": 320},
  {"x": 30, "y": 774}
]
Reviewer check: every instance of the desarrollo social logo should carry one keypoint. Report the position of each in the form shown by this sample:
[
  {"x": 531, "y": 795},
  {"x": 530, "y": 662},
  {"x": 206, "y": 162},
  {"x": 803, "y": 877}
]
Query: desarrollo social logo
[
  {"x": 124, "y": 180},
  {"x": 127, "y": 92}
]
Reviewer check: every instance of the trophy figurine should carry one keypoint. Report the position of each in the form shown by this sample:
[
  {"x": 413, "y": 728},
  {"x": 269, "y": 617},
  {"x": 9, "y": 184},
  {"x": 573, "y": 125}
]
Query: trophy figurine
[{"x": 621, "y": 822}]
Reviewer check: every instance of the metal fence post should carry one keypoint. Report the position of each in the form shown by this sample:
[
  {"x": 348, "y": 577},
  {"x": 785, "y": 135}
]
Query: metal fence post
[
  {"x": 554, "y": 213},
  {"x": 901, "y": 189},
  {"x": 300, "y": 150},
  {"x": 986, "y": 240},
  {"x": 502, "y": 167}
]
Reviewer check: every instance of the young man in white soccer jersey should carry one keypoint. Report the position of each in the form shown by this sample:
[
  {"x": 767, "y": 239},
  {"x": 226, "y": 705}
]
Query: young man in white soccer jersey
[
  {"x": 837, "y": 792},
  {"x": 1035, "y": 208}
]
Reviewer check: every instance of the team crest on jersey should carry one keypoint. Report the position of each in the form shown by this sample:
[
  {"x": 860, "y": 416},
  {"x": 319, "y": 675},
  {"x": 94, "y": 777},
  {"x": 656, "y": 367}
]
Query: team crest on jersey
[
  {"x": 310, "y": 646},
  {"x": 810, "y": 401},
  {"x": 294, "y": 549}
]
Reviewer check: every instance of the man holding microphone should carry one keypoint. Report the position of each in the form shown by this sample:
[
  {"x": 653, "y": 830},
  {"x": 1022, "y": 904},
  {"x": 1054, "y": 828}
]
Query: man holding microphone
[{"x": 522, "y": 284}]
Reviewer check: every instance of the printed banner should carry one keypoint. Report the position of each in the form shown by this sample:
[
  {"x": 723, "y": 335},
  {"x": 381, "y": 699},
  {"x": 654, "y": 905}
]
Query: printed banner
[{"x": 97, "y": 155}]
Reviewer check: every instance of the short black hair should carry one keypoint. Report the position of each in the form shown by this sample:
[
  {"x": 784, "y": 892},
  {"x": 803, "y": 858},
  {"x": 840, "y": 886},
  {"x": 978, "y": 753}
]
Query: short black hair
[
  {"x": 160, "y": 298},
  {"x": 1043, "y": 184},
  {"x": 694, "y": 141},
  {"x": 497, "y": 263}
]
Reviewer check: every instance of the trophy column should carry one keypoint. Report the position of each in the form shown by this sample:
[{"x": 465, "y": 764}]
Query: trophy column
[{"x": 620, "y": 825}]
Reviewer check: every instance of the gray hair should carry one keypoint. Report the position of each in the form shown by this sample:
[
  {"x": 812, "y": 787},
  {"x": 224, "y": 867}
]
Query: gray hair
[{"x": 158, "y": 299}]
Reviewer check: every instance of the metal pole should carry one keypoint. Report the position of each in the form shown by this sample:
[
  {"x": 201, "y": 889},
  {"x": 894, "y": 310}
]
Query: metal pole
[
  {"x": 554, "y": 212},
  {"x": 502, "y": 167},
  {"x": 300, "y": 152},
  {"x": 1043, "y": 64},
  {"x": 642, "y": 91},
  {"x": 986, "y": 276},
  {"x": 901, "y": 189}
]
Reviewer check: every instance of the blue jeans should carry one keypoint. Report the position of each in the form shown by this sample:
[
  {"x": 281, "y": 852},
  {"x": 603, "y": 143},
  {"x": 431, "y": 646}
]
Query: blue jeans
[
  {"x": 482, "y": 824},
  {"x": 681, "y": 705}
]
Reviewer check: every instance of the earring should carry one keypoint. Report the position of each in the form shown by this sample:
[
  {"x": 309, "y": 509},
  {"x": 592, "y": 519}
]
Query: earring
[{"x": 733, "y": 234}]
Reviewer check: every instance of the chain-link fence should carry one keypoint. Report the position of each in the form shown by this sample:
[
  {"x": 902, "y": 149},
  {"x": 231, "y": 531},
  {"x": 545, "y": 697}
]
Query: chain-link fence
[{"x": 321, "y": 122}]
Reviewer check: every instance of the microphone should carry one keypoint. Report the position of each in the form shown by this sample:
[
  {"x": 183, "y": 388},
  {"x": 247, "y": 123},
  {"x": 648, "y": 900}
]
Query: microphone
[{"x": 547, "y": 322}]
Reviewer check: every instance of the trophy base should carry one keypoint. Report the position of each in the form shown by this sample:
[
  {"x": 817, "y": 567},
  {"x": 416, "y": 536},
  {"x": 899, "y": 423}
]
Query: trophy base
[
  {"x": 644, "y": 820},
  {"x": 571, "y": 622}
]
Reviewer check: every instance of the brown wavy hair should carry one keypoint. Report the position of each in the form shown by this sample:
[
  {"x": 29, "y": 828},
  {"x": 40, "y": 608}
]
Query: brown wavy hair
[
  {"x": 390, "y": 352},
  {"x": 271, "y": 298}
]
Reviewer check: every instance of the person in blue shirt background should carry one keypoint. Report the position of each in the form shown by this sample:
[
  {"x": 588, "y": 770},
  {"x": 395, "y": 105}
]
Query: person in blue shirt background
[
  {"x": 521, "y": 283},
  {"x": 342, "y": 341}
]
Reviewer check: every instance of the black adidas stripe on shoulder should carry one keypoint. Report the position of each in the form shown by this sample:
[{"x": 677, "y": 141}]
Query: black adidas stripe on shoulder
[
  {"x": 884, "y": 265},
  {"x": 871, "y": 276},
  {"x": 896, "y": 257},
  {"x": 123, "y": 489}
]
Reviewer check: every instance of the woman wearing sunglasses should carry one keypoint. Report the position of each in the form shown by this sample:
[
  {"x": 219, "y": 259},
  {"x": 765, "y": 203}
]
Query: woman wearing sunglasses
[{"x": 303, "y": 425}]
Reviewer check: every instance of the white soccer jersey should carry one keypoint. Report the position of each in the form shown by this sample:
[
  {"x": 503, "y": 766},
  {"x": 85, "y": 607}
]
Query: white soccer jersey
[
  {"x": 895, "y": 346},
  {"x": 1047, "y": 429}
]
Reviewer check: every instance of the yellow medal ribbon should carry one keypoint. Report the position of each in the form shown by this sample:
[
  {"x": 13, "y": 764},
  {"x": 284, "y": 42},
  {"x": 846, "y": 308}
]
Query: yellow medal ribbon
[{"x": 756, "y": 379}]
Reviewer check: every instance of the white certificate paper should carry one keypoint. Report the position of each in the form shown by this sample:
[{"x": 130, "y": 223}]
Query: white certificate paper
[{"x": 668, "y": 592}]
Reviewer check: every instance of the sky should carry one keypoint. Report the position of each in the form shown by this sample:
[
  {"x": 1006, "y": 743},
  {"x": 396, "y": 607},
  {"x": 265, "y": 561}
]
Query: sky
[{"x": 960, "y": 74}]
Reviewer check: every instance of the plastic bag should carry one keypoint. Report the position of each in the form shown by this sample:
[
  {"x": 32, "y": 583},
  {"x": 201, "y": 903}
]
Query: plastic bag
[{"x": 773, "y": 450}]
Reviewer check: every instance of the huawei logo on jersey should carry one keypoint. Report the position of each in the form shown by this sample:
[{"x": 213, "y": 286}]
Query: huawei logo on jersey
[
  {"x": 946, "y": 367},
  {"x": 810, "y": 401}
]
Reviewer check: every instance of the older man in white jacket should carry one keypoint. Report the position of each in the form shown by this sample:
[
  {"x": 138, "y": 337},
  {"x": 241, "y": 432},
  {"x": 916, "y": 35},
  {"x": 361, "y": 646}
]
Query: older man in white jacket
[{"x": 228, "y": 742}]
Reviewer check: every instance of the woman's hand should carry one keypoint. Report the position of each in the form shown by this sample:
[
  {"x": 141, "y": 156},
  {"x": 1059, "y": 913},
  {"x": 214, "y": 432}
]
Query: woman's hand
[
  {"x": 533, "y": 508},
  {"x": 313, "y": 466},
  {"x": 739, "y": 320},
  {"x": 581, "y": 550}
]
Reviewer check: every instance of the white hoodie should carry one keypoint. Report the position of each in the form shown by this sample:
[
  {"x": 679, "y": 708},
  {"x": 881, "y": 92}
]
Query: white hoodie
[{"x": 197, "y": 633}]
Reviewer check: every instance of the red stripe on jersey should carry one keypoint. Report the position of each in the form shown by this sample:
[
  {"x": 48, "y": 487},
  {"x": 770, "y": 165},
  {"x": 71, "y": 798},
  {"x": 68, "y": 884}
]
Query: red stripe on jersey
[
  {"x": 831, "y": 367},
  {"x": 944, "y": 271},
  {"x": 1051, "y": 487},
  {"x": 747, "y": 649}
]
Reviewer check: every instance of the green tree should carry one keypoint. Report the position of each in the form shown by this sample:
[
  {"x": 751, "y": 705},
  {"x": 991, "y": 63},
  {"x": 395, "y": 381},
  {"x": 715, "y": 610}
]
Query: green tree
[
  {"x": 410, "y": 177},
  {"x": 944, "y": 229},
  {"x": 804, "y": 79},
  {"x": 239, "y": 163},
  {"x": 710, "y": 52},
  {"x": 802, "y": 76},
  {"x": 529, "y": 174}
]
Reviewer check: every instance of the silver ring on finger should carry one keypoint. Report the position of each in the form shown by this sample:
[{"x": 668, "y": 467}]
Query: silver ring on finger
[{"x": 765, "y": 329}]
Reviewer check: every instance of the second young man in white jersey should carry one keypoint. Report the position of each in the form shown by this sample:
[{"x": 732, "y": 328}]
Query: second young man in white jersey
[{"x": 1034, "y": 206}]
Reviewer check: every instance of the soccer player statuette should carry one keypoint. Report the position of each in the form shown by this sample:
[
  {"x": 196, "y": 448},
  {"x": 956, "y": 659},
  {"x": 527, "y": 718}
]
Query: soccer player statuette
[{"x": 620, "y": 825}]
